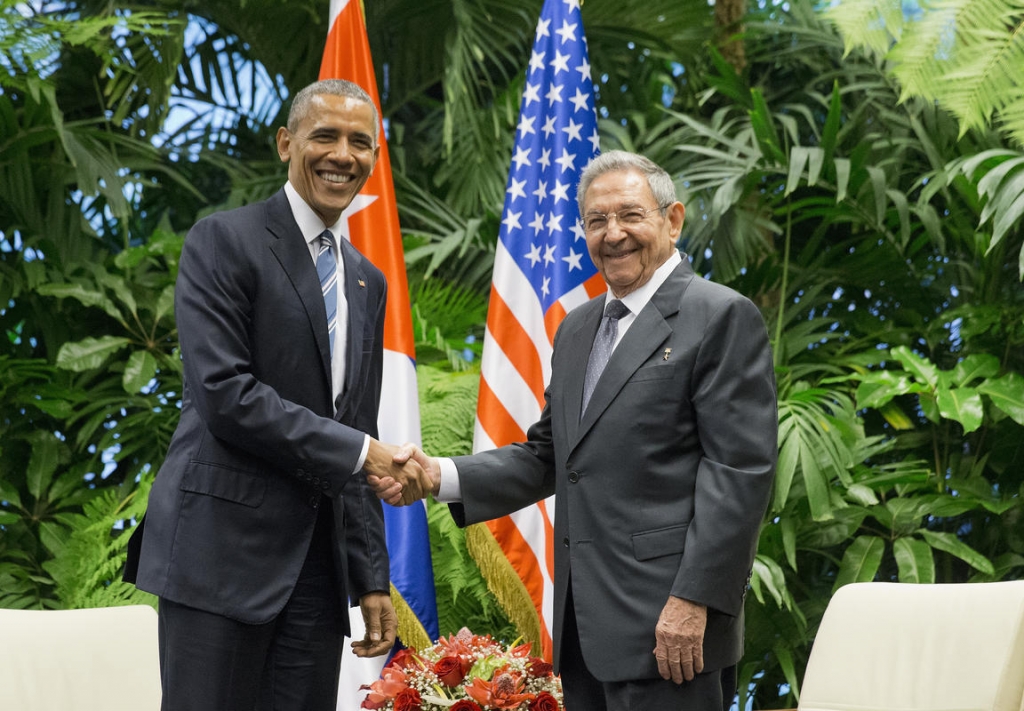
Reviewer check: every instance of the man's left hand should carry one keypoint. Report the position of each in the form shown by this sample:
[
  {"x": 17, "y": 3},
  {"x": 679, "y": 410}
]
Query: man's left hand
[
  {"x": 680, "y": 639},
  {"x": 381, "y": 624}
]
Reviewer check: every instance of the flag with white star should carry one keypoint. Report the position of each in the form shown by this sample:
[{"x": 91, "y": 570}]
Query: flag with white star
[
  {"x": 371, "y": 222},
  {"x": 541, "y": 271}
]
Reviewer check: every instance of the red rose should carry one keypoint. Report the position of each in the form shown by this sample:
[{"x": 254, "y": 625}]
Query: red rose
[
  {"x": 449, "y": 670},
  {"x": 465, "y": 705},
  {"x": 538, "y": 667},
  {"x": 543, "y": 702},
  {"x": 408, "y": 700},
  {"x": 404, "y": 659}
]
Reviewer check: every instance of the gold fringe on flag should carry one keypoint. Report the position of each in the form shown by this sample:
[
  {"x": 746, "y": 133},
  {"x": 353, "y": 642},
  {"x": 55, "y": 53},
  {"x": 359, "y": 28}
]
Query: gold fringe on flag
[
  {"x": 503, "y": 581},
  {"x": 410, "y": 629}
]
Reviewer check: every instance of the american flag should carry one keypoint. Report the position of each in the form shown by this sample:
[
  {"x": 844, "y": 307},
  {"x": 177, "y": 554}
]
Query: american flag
[
  {"x": 541, "y": 271},
  {"x": 373, "y": 228}
]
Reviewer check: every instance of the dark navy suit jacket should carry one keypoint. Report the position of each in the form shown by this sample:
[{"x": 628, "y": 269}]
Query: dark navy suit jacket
[{"x": 258, "y": 448}]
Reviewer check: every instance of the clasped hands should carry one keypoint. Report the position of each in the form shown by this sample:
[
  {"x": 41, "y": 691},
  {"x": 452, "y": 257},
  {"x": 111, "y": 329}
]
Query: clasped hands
[{"x": 401, "y": 475}]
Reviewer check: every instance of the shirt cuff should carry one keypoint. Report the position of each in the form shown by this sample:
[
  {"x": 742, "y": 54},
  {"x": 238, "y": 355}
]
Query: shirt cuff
[
  {"x": 450, "y": 491},
  {"x": 362, "y": 455}
]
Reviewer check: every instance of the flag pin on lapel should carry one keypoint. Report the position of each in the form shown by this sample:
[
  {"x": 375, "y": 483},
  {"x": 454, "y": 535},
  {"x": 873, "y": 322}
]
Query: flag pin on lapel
[
  {"x": 362, "y": 283},
  {"x": 668, "y": 351}
]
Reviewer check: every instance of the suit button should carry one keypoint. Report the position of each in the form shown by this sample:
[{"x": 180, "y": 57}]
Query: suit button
[
  {"x": 314, "y": 501},
  {"x": 565, "y": 541},
  {"x": 574, "y": 476}
]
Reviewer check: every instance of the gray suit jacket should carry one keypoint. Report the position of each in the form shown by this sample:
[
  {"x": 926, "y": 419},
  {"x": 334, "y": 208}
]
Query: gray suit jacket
[
  {"x": 662, "y": 486},
  {"x": 258, "y": 448}
]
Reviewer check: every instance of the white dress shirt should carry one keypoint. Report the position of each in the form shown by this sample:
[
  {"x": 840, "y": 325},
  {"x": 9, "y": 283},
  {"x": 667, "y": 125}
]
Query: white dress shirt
[{"x": 311, "y": 227}]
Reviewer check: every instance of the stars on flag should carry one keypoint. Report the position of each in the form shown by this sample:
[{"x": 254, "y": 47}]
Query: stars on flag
[{"x": 556, "y": 137}]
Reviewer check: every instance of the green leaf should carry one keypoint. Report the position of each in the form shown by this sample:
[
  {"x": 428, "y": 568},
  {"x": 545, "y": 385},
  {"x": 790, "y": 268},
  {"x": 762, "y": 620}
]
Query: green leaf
[
  {"x": 963, "y": 405},
  {"x": 877, "y": 389},
  {"x": 830, "y": 131},
  {"x": 9, "y": 493},
  {"x": 86, "y": 297},
  {"x": 797, "y": 160},
  {"x": 785, "y": 469},
  {"x": 139, "y": 371},
  {"x": 1007, "y": 394},
  {"x": 861, "y": 561},
  {"x": 164, "y": 303},
  {"x": 766, "y": 572},
  {"x": 979, "y": 365},
  {"x": 921, "y": 368},
  {"x": 949, "y": 543},
  {"x": 89, "y": 353},
  {"x": 816, "y": 483},
  {"x": 42, "y": 463},
  {"x": 914, "y": 561},
  {"x": 788, "y": 526},
  {"x": 863, "y": 495},
  {"x": 842, "y": 178},
  {"x": 896, "y": 417},
  {"x": 764, "y": 130},
  {"x": 785, "y": 657},
  {"x": 877, "y": 177},
  {"x": 53, "y": 536}
]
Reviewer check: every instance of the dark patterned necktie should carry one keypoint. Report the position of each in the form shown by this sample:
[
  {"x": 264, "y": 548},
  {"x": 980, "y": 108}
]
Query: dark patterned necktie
[
  {"x": 604, "y": 343},
  {"x": 327, "y": 270}
]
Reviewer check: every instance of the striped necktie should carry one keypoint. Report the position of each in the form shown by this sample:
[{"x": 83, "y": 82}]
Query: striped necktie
[
  {"x": 604, "y": 344},
  {"x": 327, "y": 270}
]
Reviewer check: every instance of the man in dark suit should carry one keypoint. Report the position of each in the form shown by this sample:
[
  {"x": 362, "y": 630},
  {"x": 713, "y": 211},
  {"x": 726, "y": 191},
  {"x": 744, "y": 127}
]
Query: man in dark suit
[
  {"x": 661, "y": 479},
  {"x": 260, "y": 526}
]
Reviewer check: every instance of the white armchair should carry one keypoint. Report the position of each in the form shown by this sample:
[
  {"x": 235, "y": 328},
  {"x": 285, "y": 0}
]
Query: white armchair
[
  {"x": 901, "y": 647},
  {"x": 103, "y": 659}
]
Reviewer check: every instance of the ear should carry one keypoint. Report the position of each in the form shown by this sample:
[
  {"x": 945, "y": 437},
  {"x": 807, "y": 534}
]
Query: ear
[
  {"x": 376, "y": 157},
  {"x": 284, "y": 142},
  {"x": 676, "y": 214}
]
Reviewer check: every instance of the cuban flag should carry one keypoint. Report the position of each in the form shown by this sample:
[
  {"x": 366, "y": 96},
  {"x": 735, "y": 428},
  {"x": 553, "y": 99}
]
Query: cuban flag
[{"x": 374, "y": 230}]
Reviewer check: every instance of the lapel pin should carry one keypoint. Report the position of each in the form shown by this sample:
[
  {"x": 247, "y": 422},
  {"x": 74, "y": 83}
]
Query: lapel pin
[
  {"x": 668, "y": 351},
  {"x": 362, "y": 283}
]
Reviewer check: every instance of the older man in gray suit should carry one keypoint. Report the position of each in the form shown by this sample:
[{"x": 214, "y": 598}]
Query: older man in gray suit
[{"x": 661, "y": 461}]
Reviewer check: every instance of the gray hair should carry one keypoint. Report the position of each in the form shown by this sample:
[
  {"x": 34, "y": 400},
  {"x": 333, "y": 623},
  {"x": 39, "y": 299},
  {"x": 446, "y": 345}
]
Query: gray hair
[
  {"x": 660, "y": 182},
  {"x": 331, "y": 87}
]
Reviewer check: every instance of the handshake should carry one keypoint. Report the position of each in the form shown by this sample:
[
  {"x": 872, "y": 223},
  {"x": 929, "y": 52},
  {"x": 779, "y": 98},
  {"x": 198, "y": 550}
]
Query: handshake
[{"x": 401, "y": 475}]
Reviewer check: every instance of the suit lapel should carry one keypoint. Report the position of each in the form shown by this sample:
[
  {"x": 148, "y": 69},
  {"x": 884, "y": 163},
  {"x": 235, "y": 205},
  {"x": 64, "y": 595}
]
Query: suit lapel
[
  {"x": 578, "y": 344},
  {"x": 648, "y": 332},
  {"x": 355, "y": 294},
  {"x": 292, "y": 252}
]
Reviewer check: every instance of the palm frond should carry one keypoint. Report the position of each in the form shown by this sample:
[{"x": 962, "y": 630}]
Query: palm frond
[
  {"x": 966, "y": 54},
  {"x": 87, "y": 569}
]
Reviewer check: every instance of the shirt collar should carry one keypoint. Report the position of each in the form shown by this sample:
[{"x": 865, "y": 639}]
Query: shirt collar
[
  {"x": 636, "y": 300},
  {"x": 309, "y": 222}
]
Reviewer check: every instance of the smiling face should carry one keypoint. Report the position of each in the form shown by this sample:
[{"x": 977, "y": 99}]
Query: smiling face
[
  {"x": 628, "y": 255},
  {"x": 331, "y": 153}
]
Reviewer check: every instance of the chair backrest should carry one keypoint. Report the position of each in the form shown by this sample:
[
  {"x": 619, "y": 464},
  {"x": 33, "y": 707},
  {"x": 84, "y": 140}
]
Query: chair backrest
[
  {"x": 103, "y": 659},
  {"x": 944, "y": 647}
]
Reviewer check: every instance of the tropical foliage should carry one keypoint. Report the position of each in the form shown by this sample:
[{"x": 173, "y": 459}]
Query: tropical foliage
[
  {"x": 966, "y": 54},
  {"x": 879, "y": 232}
]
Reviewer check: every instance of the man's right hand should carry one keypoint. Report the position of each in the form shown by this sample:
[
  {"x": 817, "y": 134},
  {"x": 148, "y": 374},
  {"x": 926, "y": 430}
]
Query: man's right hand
[
  {"x": 401, "y": 478},
  {"x": 392, "y": 491}
]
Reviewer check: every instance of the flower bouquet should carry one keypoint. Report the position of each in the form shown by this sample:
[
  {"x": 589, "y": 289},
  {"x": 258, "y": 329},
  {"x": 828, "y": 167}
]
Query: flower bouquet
[{"x": 465, "y": 672}]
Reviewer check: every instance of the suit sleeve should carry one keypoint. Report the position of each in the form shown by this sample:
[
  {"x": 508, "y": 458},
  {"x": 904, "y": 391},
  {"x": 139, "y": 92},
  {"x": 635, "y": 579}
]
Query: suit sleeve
[
  {"x": 366, "y": 545},
  {"x": 735, "y": 407},
  {"x": 500, "y": 481},
  {"x": 216, "y": 291}
]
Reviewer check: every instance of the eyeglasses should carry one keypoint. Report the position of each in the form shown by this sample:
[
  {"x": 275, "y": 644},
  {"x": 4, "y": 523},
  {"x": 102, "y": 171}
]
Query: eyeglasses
[{"x": 595, "y": 223}]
